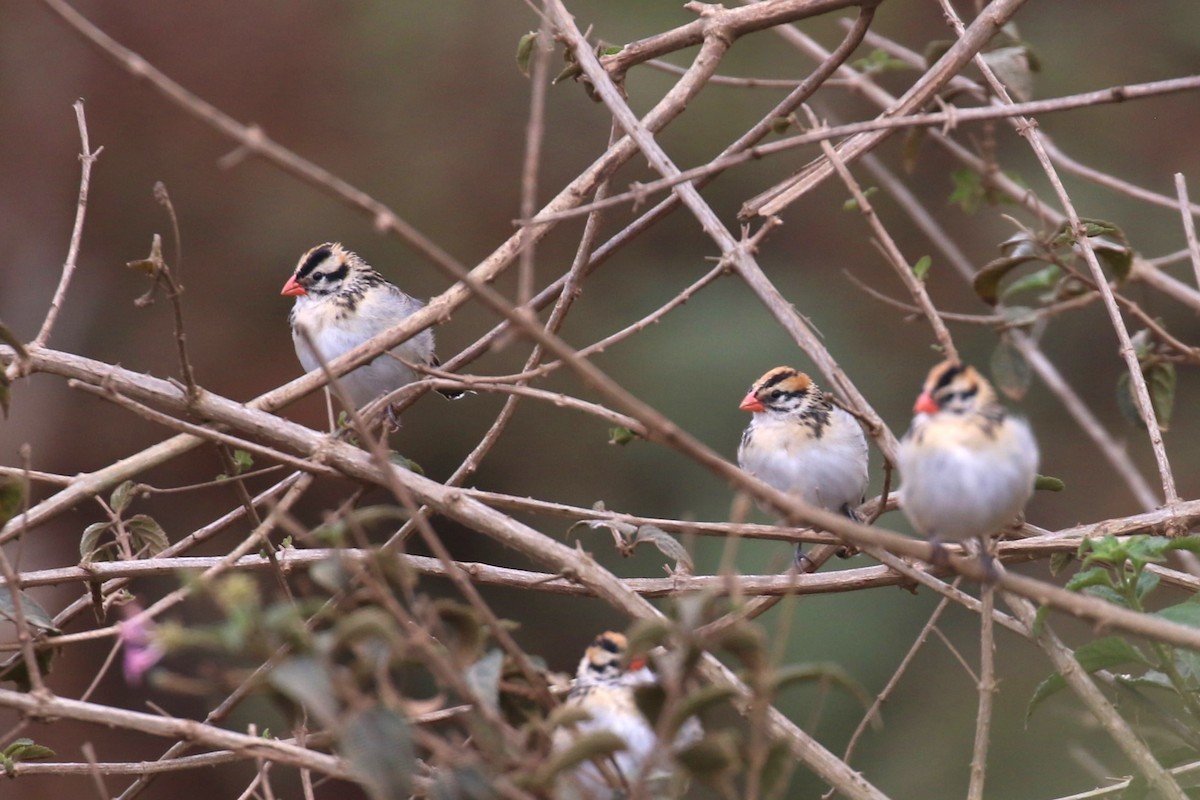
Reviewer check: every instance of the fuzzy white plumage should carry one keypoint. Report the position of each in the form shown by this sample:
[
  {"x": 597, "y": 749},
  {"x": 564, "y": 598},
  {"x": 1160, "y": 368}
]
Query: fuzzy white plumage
[
  {"x": 967, "y": 465},
  {"x": 800, "y": 443},
  {"x": 604, "y": 689},
  {"x": 342, "y": 302}
]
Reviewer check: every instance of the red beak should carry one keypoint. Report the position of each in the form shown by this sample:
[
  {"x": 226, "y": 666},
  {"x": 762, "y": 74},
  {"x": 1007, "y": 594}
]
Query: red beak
[
  {"x": 750, "y": 403},
  {"x": 293, "y": 287},
  {"x": 925, "y": 404}
]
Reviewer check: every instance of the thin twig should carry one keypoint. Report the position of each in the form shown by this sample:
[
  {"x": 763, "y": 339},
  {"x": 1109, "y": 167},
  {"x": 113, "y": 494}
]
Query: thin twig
[
  {"x": 987, "y": 694},
  {"x": 894, "y": 257},
  {"x": 87, "y": 157},
  {"x": 1189, "y": 224}
]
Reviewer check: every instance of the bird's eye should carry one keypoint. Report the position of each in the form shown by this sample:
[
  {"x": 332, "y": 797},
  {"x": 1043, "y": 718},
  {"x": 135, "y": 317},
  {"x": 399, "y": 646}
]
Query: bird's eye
[
  {"x": 775, "y": 395},
  {"x": 318, "y": 275}
]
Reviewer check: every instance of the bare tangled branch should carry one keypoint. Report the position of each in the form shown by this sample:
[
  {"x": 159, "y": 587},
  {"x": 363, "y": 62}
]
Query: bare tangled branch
[{"x": 408, "y": 673}]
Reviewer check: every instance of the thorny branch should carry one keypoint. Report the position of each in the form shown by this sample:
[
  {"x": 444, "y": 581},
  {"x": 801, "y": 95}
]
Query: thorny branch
[{"x": 203, "y": 416}]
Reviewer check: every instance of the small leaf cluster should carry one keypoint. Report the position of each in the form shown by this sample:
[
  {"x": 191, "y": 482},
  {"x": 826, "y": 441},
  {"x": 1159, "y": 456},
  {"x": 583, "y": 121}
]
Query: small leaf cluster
[
  {"x": 1159, "y": 685},
  {"x": 12, "y": 500},
  {"x": 22, "y": 749},
  {"x": 1062, "y": 274},
  {"x": 1158, "y": 372},
  {"x": 127, "y": 538}
]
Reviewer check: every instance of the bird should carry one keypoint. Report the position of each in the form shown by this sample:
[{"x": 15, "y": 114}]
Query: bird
[
  {"x": 341, "y": 301},
  {"x": 967, "y": 465},
  {"x": 604, "y": 689},
  {"x": 802, "y": 444}
]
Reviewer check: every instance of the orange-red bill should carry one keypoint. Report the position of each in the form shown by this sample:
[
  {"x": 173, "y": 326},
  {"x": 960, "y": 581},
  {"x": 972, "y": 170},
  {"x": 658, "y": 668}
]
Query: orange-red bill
[
  {"x": 751, "y": 403},
  {"x": 925, "y": 404},
  {"x": 293, "y": 287}
]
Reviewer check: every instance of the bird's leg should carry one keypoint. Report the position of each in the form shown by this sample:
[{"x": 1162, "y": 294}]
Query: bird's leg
[
  {"x": 329, "y": 410},
  {"x": 938, "y": 555},
  {"x": 390, "y": 421},
  {"x": 802, "y": 562},
  {"x": 991, "y": 567}
]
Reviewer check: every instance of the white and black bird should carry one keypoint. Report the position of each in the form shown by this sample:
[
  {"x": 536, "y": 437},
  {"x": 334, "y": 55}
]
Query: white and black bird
[
  {"x": 802, "y": 444},
  {"x": 341, "y": 301},
  {"x": 604, "y": 688},
  {"x": 967, "y": 465}
]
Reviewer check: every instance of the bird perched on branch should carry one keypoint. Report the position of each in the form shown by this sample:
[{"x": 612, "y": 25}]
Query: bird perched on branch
[
  {"x": 342, "y": 302},
  {"x": 802, "y": 444},
  {"x": 604, "y": 690},
  {"x": 967, "y": 465}
]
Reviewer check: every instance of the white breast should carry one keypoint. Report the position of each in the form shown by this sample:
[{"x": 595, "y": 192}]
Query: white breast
[
  {"x": 956, "y": 488},
  {"x": 333, "y": 335},
  {"x": 829, "y": 472}
]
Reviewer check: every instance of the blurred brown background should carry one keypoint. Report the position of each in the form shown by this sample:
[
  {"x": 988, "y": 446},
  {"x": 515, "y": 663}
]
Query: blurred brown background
[{"x": 421, "y": 106}]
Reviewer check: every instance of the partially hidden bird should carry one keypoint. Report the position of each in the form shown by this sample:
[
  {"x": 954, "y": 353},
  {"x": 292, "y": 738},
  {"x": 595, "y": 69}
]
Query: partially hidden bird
[
  {"x": 967, "y": 465},
  {"x": 341, "y": 301},
  {"x": 604, "y": 689},
  {"x": 802, "y": 444}
]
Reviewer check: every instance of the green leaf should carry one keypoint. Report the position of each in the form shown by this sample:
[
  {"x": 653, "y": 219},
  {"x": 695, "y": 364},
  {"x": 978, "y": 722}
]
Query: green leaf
[
  {"x": 1042, "y": 280},
  {"x": 24, "y": 749},
  {"x": 405, "y": 463},
  {"x": 1108, "y": 595},
  {"x": 1107, "y": 549},
  {"x": 89, "y": 543},
  {"x": 146, "y": 533},
  {"x": 35, "y": 615},
  {"x": 621, "y": 436},
  {"x": 1141, "y": 550},
  {"x": 852, "y": 203},
  {"x": 1011, "y": 373},
  {"x": 968, "y": 189},
  {"x": 1059, "y": 562},
  {"x": 712, "y": 756},
  {"x": 879, "y": 61},
  {"x": 1160, "y": 381},
  {"x": 1147, "y": 582},
  {"x": 987, "y": 281},
  {"x": 697, "y": 701},
  {"x": 18, "y": 672},
  {"x": 825, "y": 673},
  {"x": 1014, "y": 68},
  {"x": 1149, "y": 680},
  {"x": 668, "y": 545},
  {"x": 1096, "y": 576},
  {"x": 650, "y": 698},
  {"x": 305, "y": 682},
  {"x": 12, "y": 497},
  {"x": 776, "y": 769},
  {"x": 921, "y": 268},
  {"x": 525, "y": 51},
  {"x": 597, "y": 744},
  {"x": 1106, "y": 653},
  {"x": 242, "y": 461},
  {"x": 1047, "y": 483},
  {"x": 1127, "y": 403},
  {"x": 121, "y": 497},
  {"x": 1116, "y": 256},
  {"x": 10, "y": 339},
  {"x": 378, "y": 744},
  {"x": 1185, "y": 613},
  {"x": 914, "y": 138},
  {"x": 1190, "y": 543}
]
